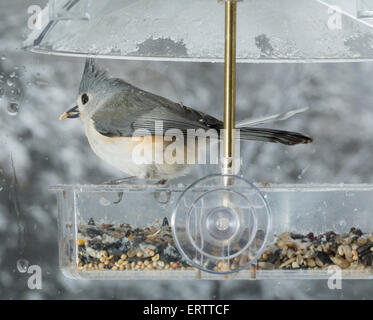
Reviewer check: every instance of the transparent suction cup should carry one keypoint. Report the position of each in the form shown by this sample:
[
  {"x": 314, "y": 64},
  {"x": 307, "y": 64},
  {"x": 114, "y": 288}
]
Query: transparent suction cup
[{"x": 221, "y": 224}]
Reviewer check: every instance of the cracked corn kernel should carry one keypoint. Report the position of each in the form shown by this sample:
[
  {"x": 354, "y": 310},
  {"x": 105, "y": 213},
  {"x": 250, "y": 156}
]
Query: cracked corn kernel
[
  {"x": 341, "y": 251},
  {"x": 295, "y": 265}
]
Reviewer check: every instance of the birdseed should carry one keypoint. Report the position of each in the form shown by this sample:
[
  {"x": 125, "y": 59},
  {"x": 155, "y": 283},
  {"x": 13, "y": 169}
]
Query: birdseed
[
  {"x": 123, "y": 247},
  {"x": 352, "y": 250}
]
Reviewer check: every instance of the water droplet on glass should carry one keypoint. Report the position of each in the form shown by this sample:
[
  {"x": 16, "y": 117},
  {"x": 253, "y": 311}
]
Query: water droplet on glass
[
  {"x": 13, "y": 109},
  {"x": 342, "y": 223},
  {"x": 22, "y": 265},
  {"x": 10, "y": 83},
  {"x": 3, "y": 58},
  {"x": 104, "y": 202},
  {"x": 2, "y": 91},
  {"x": 12, "y": 75},
  {"x": 1, "y": 188},
  {"x": 14, "y": 95}
]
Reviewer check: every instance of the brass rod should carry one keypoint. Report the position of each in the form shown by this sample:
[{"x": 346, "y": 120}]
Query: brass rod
[{"x": 230, "y": 83}]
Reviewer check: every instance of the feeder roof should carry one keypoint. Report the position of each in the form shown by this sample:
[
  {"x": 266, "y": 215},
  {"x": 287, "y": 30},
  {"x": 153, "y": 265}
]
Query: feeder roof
[{"x": 193, "y": 30}]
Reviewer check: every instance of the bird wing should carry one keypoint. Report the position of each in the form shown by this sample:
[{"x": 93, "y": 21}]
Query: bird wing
[{"x": 136, "y": 109}]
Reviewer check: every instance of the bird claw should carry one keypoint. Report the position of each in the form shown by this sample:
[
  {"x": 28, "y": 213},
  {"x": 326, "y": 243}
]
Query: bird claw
[
  {"x": 118, "y": 182},
  {"x": 120, "y": 197}
]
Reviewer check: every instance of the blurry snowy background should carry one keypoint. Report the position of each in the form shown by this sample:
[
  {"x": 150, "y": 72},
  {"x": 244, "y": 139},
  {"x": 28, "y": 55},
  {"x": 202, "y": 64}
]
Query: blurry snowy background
[{"x": 36, "y": 89}]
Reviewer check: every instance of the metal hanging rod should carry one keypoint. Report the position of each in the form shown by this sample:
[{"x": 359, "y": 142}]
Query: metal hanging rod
[{"x": 229, "y": 83}]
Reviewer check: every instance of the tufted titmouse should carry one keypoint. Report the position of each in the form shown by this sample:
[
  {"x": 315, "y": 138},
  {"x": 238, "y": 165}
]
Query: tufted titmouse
[{"x": 112, "y": 109}]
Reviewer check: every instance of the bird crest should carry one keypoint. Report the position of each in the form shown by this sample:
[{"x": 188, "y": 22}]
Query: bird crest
[{"x": 93, "y": 77}]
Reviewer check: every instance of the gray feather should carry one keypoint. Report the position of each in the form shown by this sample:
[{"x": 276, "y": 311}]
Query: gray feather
[
  {"x": 276, "y": 136},
  {"x": 129, "y": 108},
  {"x": 94, "y": 78},
  {"x": 276, "y": 117},
  {"x": 132, "y": 109}
]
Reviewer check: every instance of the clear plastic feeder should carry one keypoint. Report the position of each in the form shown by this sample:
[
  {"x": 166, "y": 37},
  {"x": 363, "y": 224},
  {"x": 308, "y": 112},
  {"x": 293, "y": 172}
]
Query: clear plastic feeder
[
  {"x": 193, "y": 30},
  {"x": 218, "y": 230},
  {"x": 340, "y": 211}
]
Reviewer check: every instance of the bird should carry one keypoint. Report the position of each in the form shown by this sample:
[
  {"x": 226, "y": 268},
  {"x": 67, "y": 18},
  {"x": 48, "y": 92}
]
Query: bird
[{"x": 112, "y": 109}]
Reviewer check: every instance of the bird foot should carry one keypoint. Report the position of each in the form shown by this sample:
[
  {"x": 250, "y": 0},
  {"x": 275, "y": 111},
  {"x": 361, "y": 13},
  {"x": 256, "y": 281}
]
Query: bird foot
[{"x": 118, "y": 182}]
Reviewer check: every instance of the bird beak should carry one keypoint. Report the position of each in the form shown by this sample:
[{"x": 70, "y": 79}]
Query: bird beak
[{"x": 71, "y": 114}]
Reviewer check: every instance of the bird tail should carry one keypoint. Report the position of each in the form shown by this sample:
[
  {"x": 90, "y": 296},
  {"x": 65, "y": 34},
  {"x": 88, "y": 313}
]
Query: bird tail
[
  {"x": 272, "y": 118},
  {"x": 276, "y": 136}
]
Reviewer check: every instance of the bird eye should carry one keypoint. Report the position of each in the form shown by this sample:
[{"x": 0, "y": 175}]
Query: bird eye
[{"x": 85, "y": 98}]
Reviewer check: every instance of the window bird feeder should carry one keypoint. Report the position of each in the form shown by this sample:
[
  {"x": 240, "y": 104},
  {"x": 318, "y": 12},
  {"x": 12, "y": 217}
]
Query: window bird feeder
[{"x": 222, "y": 225}]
